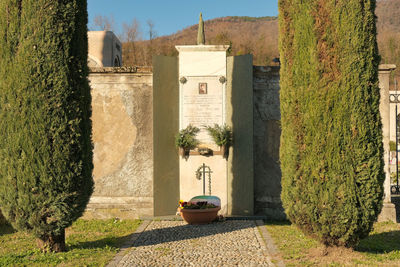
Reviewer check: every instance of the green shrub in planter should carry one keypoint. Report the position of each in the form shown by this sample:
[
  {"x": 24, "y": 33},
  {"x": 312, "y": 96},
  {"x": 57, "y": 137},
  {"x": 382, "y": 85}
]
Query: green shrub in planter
[
  {"x": 186, "y": 138},
  {"x": 221, "y": 135}
]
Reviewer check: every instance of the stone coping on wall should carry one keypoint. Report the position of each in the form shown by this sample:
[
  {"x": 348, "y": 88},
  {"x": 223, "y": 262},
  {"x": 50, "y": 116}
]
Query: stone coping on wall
[
  {"x": 135, "y": 69},
  {"x": 262, "y": 69},
  {"x": 149, "y": 69}
]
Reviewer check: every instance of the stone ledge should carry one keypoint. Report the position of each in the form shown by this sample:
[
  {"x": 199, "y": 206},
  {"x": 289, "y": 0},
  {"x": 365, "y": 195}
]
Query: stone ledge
[
  {"x": 136, "y": 69},
  {"x": 116, "y": 212},
  {"x": 387, "y": 67}
]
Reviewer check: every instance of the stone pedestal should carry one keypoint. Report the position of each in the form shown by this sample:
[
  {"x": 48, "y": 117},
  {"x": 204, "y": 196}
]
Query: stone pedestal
[{"x": 388, "y": 211}]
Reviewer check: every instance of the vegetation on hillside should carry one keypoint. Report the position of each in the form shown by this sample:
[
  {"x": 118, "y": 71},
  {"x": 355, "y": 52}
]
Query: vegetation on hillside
[
  {"x": 388, "y": 13},
  {"x": 331, "y": 144},
  {"x": 258, "y": 36}
]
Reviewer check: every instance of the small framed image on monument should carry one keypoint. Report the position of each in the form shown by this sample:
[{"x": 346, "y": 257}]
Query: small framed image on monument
[{"x": 202, "y": 88}]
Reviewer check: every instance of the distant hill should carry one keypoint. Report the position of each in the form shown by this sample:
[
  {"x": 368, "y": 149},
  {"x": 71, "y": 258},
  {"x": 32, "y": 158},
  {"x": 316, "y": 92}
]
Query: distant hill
[
  {"x": 259, "y": 36},
  {"x": 388, "y": 13}
]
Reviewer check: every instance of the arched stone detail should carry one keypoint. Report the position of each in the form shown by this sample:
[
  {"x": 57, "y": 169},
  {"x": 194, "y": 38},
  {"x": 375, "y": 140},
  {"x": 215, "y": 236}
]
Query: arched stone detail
[
  {"x": 117, "y": 62},
  {"x": 94, "y": 62}
]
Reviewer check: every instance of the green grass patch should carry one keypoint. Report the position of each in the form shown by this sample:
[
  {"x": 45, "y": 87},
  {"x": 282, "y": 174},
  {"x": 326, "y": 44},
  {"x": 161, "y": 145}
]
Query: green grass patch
[
  {"x": 381, "y": 247},
  {"x": 89, "y": 243}
]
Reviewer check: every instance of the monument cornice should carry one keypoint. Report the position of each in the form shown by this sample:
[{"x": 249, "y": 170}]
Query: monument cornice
[{"x": 202, "y": 48}]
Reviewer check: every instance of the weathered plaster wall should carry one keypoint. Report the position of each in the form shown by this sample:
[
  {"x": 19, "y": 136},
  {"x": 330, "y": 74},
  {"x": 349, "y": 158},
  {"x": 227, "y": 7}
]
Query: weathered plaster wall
[
  {"x": 123, "y": 143},
  {"x": 123, "y": 139},
  {"x": 267, "y": 172}
]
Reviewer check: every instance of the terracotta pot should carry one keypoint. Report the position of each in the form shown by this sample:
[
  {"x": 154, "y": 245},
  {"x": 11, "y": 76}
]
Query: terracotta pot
[{"x": 200, "y": 216}]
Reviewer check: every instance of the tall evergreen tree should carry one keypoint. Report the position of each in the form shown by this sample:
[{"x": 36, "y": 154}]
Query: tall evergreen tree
[
  {"x": 331, "y": 143},
  {"x": 201, "y": 39},
  {"x": 45, "y": 138}
]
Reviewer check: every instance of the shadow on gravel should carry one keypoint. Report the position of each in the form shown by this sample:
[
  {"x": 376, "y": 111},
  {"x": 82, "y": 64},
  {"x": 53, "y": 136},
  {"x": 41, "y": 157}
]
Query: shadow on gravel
[{"x": 184, "y": 232}]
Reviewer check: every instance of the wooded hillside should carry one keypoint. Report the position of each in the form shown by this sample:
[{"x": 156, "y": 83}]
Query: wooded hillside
[{"x": 258, "y": 36}]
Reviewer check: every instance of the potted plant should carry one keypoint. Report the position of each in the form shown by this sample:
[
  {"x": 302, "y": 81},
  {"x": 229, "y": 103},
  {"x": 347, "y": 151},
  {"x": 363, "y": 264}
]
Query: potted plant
[
  {"x": 198, "y": 212},
  {"x": 222, "y": 136},
  {"x": 186, "y": 140}
]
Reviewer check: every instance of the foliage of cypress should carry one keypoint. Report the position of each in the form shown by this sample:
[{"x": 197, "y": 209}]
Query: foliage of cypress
[
  {"x": 45, "y": 138},
  {"x": 201, "y": 38},
  {"x": 331, "y": 143}
]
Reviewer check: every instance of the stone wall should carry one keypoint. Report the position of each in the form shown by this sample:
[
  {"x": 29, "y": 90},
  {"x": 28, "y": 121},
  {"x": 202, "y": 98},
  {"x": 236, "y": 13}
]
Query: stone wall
[
  {"x": 267, "y": 131},
  {"x": 123, "y": 143},
  {"x": 122, "y": 101},
  {"x": 122, "y": 115}
]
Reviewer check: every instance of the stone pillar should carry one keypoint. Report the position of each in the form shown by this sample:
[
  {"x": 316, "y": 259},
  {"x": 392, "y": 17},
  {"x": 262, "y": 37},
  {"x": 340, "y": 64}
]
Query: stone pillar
[{"x": 388, "y": 211}]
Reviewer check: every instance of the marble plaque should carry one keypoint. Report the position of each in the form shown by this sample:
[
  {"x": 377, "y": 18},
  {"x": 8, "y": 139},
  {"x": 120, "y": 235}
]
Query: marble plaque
[{"x": 202, "y": 104}]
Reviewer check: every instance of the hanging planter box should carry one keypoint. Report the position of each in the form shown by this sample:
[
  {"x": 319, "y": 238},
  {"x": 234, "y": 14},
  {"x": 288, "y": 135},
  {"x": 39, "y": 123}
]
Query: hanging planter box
[
  {"x": 224, "y": 150},
  {"x": 184, "y": 152}
]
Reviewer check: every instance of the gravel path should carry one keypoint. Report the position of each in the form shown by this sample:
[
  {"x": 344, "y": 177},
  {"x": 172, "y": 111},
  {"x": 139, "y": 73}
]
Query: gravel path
[{"x": 175, "y": 243}]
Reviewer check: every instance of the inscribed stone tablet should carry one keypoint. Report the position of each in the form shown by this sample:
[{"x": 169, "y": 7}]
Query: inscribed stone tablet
[{"x": 202, "y": 104}]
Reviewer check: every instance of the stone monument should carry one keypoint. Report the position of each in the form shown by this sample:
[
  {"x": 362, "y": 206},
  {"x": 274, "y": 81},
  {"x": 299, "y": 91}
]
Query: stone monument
[
  {"x": 105, "y": 49},
  {"x": 204, "y": 101}
]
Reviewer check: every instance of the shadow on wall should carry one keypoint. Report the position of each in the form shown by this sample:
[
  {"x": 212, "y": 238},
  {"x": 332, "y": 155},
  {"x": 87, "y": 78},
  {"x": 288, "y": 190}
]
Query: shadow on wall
[
  {"x": 254, "y": 110},
  {"x": 267, "y": 132},
  {"x": 240, "y": 116}
]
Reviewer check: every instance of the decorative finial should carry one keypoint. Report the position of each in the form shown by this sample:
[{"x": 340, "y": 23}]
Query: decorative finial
[{"x": 201, "y": 38}]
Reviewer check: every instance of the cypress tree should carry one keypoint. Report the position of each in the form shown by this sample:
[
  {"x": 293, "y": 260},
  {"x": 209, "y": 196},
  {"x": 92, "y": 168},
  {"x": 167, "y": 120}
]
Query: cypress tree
[
  {"x": 45, "y": 138},
  {"x": 201, "y": 39},
  {"x": 331, "y": 143}
]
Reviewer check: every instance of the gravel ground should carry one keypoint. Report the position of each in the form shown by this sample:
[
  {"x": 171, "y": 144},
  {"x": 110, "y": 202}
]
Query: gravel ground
[{"x": 175, "y": 243}]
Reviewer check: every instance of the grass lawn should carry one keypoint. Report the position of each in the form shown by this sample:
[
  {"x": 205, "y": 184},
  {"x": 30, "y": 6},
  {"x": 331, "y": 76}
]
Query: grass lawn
[
  {"x": 381, "y": 248},
  {"x": 89, "y": 243}
]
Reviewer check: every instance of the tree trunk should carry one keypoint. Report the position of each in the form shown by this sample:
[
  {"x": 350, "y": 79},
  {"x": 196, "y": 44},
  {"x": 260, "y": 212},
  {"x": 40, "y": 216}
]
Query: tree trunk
[{"x": 52, "y": 243}]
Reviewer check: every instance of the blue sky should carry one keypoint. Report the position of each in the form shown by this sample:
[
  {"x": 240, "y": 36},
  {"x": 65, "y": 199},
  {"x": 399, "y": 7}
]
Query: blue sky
[{"x": 174, "y": 15}]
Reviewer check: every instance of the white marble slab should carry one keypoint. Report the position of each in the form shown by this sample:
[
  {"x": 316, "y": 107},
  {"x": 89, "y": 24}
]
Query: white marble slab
[
  {"x": 202, "y": 103},
  {"x": 203, "y": 60}
]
